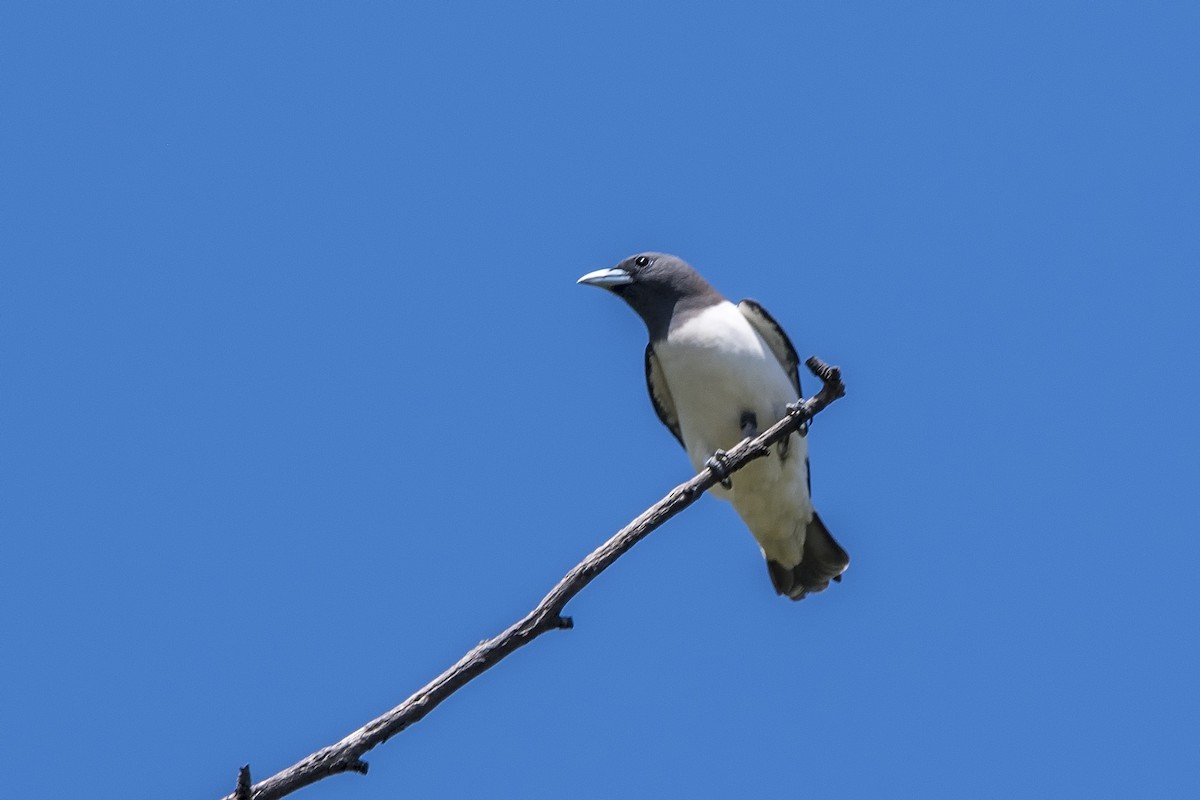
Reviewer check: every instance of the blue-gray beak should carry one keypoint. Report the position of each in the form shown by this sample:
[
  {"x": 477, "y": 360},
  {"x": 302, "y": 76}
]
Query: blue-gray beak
[{"x": 607, "y": 278}]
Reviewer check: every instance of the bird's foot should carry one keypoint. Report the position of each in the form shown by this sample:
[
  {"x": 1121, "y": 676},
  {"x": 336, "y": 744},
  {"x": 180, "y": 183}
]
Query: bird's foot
[
  {"x": 793, "y": 408},
  {"x": 716, "y": 462}
]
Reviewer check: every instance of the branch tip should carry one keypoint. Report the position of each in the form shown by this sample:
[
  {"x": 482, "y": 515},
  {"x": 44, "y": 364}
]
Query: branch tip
[{"x": 824, "y": 371}]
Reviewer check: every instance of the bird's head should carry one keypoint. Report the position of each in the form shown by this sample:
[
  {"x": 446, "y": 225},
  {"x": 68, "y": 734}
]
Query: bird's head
[{"x": 653, "y": 284}]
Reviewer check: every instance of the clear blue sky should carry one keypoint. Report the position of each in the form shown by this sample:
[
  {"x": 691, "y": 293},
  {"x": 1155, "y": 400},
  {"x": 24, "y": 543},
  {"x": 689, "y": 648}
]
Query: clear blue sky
[{"x": 299, "y": 399}]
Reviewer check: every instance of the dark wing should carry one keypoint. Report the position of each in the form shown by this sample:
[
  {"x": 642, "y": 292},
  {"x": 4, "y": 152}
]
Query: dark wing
[
  {"x": 660, "y": 394},
  {"x": 775, "y": 338}
]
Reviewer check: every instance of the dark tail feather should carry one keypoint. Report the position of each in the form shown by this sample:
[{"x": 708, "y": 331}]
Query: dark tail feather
[{"x": 823, "y": 560}]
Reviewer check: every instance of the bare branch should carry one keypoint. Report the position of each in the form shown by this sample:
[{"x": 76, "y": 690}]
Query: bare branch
[{"x": 345, "y": 755}]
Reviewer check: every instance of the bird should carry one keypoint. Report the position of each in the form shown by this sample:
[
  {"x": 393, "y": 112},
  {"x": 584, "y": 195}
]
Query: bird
[{"x": 718, "y": 372}]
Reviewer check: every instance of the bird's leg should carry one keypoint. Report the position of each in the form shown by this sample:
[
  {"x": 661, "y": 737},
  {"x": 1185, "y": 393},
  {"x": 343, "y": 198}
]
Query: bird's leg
[
  {"x": 716, "y": 462},
  {"x": 749, "y": 423}
]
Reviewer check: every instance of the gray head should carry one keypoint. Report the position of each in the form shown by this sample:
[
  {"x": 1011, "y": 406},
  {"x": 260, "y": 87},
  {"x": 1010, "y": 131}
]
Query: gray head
[{"x": 658, "y": 287}]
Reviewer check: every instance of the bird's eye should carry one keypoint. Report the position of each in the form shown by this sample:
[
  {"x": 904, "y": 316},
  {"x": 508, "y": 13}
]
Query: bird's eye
[{"x": 642, "y": 261}]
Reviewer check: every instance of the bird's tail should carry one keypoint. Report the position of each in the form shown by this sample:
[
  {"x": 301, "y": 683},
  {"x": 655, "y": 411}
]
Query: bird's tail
[{"x": 823, "y": 561}]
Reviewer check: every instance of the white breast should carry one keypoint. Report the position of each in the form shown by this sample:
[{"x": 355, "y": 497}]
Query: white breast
[{"x": 717, "y": 367}]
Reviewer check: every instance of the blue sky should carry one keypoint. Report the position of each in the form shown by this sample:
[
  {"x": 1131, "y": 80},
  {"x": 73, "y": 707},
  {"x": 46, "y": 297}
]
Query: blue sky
[{"x": 299, "y": 400}]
